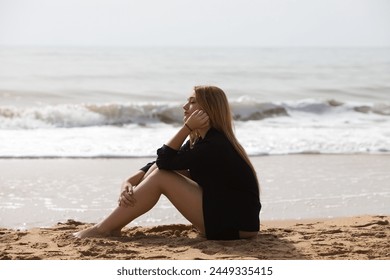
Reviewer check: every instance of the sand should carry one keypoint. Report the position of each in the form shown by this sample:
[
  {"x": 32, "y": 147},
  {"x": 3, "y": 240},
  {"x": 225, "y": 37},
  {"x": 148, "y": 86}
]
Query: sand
[{"x": 354, "y": 238}]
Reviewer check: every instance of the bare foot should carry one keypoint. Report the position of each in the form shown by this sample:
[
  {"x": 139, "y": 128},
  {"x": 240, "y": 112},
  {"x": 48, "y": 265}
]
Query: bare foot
[
  {"x": 91, "y": 232},
  {"x": 117, "y": 233}
]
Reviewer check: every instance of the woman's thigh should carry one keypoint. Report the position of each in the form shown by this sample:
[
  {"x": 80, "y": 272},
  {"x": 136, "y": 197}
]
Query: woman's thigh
[{"x": 184, "y": 193}]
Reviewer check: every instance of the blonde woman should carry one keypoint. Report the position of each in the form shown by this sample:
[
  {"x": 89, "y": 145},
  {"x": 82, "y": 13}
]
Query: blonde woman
[{"x": 209, "y": 179}]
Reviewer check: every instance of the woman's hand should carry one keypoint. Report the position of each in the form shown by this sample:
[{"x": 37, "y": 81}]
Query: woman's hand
[
  {"x": 198, "y": 119},
  {"x": 126, "y": 198}
]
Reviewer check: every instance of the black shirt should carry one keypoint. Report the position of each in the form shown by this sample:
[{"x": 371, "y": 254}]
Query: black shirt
[{"x": 230, "y": 189}]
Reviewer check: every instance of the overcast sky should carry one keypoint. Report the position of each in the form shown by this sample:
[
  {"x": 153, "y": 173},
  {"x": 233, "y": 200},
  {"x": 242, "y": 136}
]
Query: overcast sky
[{"x": 195, "y": 22}]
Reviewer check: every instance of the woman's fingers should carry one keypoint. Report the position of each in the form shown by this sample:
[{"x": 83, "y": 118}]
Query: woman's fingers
[
  {"x": 198, "y": 119},
  {"x": 203, "y": 119},
  {"x": 127, "y": 201},
  {"x": 126, "y": 198}
]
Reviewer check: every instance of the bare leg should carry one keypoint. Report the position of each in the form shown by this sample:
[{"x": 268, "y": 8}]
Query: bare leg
[{"x": 184, "y": 194}]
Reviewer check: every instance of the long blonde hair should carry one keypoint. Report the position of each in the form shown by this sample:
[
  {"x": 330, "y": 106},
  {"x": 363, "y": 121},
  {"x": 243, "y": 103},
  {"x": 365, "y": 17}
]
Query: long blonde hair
[{"x": 214, "y": 102}]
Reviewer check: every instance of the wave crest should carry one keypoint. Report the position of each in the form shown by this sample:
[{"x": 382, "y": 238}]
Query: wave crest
[{"x": 85, "y": 115}]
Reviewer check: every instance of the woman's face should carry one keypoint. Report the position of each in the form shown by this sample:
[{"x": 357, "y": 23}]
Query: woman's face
[{"x": 190, "y": 106}]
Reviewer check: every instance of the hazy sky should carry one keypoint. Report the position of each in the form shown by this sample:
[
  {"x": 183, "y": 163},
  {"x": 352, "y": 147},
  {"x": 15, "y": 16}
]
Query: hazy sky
[{"x": 195, "y": 22}]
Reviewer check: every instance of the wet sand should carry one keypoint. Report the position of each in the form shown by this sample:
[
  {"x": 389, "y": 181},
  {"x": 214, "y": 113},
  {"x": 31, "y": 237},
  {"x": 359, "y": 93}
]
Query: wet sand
[
  {"x": 314, "y": 207},
  {"x": 43, "y": 192}
]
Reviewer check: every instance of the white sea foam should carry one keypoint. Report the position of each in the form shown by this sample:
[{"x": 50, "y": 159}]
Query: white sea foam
[
  {"x": 343, "y": 131},
  {"x": 87, "y": 115},
  {"x": 135, "y": 130},
  {"x": 93, "y": 102}
]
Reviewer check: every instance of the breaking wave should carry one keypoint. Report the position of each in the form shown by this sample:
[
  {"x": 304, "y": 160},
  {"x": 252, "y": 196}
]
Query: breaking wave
[{"x": 88, "y": 115}]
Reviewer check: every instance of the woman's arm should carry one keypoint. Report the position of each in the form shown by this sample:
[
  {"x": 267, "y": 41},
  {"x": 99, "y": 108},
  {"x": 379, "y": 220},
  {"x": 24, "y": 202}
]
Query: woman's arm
[
  {"x": 197, "y": 120},
  {"x": 136, "y": 178},
  {"x": 177, "y": 140}
]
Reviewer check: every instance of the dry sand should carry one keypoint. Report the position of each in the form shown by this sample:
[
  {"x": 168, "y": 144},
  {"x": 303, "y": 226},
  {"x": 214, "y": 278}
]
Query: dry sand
[{"x": 355, "y": 238}]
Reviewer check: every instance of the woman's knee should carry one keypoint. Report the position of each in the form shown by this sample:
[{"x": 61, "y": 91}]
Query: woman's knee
[
  {"x": 161, "y": 173},
  {"x": 160, "y": 177}
]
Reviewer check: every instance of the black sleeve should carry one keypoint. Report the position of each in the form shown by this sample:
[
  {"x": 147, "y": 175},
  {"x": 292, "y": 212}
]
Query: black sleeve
[
  {"x": 171, "y": 159},
  {"x": 165, "y": 159},
  {"x": 146, "y": 167}
]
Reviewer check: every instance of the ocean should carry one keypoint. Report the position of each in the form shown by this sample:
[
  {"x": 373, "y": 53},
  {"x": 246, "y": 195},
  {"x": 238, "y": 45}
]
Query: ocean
[
  {"x": 122, "y": 104},
  {"x": 126, "y": 102}
]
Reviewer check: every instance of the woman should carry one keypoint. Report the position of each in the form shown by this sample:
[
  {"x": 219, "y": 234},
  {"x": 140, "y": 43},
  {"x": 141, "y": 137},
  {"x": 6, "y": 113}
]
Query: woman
[{"x": 209, "y": 179}]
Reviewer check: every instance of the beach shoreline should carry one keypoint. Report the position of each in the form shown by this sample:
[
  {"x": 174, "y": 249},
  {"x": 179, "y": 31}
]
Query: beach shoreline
[
  {"x": 43, "y": 192},
  {"x": 314, "y": 207}
]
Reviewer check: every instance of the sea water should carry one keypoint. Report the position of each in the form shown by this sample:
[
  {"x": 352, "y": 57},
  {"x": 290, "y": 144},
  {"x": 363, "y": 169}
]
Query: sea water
[{"x": 126, "y": 102}]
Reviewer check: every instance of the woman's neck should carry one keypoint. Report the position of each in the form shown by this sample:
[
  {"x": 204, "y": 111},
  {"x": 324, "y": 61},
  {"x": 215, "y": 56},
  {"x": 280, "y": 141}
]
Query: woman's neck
[
  {"x": 203, "y": 131},
  {"x": 197, "y": 135}
]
